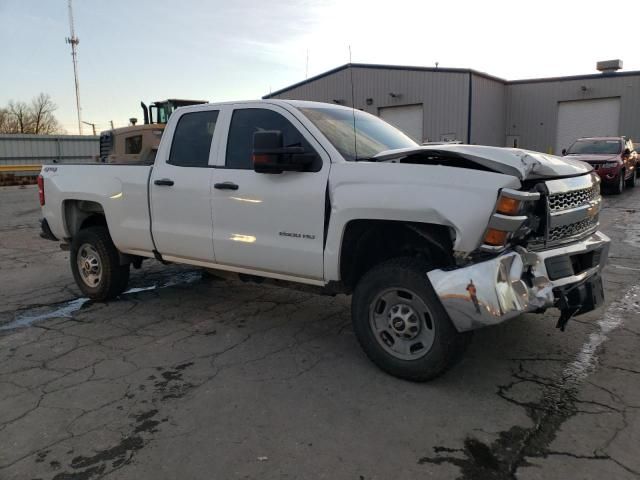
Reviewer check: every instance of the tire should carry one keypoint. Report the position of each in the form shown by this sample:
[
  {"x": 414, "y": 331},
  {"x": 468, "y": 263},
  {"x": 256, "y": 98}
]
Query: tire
[
  {"x": 618, "y": 188},
  {"x": 631, "y": 181},
  {"x": 435, "y": 347},
  {"x": 101, "y": 277}
]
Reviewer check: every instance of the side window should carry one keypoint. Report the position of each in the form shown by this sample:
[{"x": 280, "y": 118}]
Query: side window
[
  {"x": 249, "y": 120},
  {"x": 192, "y": 139},
  {"x": 133, "y": 144}
]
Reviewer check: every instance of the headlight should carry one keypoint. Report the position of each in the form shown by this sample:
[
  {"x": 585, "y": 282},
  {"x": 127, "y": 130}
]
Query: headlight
[{"x": 509, "y": 217}]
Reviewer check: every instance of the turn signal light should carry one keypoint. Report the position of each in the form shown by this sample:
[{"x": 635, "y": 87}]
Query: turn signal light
[
  {"x": 496, "y": 238},
  {"x": 508, "y": 206}
]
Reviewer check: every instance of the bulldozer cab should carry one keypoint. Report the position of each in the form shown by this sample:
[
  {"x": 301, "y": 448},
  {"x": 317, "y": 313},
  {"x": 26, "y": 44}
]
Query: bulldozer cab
[
  {"x": 160, "y": 111},
  {"x": 139, "y": 143}
]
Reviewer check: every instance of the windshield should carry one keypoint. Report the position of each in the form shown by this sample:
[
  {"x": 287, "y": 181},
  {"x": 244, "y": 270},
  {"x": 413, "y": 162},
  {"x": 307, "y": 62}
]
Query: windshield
[
  {"x": 372, "y": 135},
  {"x": 595, "y": 147}
]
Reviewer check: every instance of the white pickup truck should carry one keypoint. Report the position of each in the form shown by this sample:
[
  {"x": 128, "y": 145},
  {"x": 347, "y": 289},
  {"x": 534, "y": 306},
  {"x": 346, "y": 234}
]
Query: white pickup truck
[{"x": 431, "y": 241}]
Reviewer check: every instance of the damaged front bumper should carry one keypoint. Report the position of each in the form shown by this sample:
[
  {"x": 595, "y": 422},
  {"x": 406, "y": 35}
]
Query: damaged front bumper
[{"x": 521, "y": 281}]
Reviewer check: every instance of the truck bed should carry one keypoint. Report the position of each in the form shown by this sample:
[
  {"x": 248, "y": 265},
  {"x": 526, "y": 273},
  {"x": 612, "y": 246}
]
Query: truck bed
[{"x": 120, "y": 190}]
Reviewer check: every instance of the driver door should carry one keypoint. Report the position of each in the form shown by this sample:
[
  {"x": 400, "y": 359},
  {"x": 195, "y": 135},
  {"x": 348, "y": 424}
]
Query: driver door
[{"x": 269, "y": 222}]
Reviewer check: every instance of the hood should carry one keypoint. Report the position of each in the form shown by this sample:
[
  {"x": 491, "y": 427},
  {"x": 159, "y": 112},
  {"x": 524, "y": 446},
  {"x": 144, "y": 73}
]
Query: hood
[
  {"x": 591, "y": 157},
  {"x": 523, "y": 164}
]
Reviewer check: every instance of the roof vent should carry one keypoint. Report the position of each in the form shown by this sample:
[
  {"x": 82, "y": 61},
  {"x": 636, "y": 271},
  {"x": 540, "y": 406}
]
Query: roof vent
[{"x": 609, "y": 66}]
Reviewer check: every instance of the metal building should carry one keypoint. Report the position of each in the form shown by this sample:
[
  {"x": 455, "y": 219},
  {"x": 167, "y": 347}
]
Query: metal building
[
  {"x": 31, "y": 151},
  {"x": 443, "y": 104}
]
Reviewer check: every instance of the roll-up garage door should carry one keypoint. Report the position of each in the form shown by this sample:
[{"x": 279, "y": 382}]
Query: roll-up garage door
[
  {"x": 407, "y": 118},
  {"x": 586, "y": 118}
]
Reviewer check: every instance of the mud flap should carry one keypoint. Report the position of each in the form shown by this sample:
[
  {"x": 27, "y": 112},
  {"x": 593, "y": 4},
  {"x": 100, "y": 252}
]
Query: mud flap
[{"x": 579, "y": 298}]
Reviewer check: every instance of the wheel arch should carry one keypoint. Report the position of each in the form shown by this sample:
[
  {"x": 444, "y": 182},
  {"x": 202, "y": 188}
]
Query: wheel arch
[
  {"x": 367, "y": 242},
  {"x": 80, "y": 214}
]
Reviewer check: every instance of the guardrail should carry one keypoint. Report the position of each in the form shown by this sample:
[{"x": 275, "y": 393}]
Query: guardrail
[{"x": 19, "y": 168}]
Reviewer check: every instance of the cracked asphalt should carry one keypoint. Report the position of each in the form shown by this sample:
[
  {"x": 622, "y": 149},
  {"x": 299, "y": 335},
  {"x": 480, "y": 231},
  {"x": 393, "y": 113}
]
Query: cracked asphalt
[{"x": 189, "y": 376}]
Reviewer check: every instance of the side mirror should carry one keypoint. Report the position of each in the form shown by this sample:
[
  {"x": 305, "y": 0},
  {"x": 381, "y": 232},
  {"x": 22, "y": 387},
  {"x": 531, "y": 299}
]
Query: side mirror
[
  {"x": 270, "y": 156},
  {"x": 564, "y": 152}
]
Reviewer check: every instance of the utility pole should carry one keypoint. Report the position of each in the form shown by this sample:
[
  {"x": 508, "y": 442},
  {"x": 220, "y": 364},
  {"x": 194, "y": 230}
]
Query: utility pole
[
  {"x": 74, "y": 41},
  {"x": 111, "y": 122},
  {"x": 92, "y": 125}
]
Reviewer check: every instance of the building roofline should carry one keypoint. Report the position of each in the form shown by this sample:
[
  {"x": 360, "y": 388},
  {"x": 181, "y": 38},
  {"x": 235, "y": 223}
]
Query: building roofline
[
  {"x": 375, "y": 66},
  {"x": 587, "y": 76},
  {"x": 449, "y": 70}
]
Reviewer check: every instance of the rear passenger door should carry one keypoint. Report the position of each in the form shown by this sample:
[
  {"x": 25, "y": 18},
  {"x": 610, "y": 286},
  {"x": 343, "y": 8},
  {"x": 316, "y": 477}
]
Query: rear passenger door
[
  {"x": 180, "y": 188},
  {"x": 269, "y": 222}
]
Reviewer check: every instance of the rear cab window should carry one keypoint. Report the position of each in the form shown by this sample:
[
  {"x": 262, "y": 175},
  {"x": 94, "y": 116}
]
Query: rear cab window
[{"x": 192, "y": 139}]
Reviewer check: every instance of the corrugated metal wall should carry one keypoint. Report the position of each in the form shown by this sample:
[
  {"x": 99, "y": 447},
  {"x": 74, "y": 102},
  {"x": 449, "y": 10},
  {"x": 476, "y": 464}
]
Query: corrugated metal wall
[
  {"x": 527, "y": 109},
  {"x": 443, "y": 95},
  {"x": 532, "y": 107},
  {"x": 488, "y": 111},
  {"x": 39, "y": 149}
]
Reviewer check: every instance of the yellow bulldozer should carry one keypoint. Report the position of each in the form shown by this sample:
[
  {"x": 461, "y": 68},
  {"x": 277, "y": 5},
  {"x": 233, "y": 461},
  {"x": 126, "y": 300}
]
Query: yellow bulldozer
[{"x": 139, "y": 143}]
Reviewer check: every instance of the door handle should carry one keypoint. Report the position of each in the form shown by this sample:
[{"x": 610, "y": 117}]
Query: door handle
[
  {"x": 226, "y": 186},
  {"x": 164, "y": 182}
]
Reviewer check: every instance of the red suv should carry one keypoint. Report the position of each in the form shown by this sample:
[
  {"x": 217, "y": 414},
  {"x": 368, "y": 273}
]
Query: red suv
[{"x": 613, "y": 159}]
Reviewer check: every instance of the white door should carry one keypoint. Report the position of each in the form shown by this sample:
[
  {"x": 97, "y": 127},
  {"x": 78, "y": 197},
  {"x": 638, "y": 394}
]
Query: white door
[
  {"x": 586, "y": 118},
  {"x": 180, "y": 190},
  {"x": 269, "y": 222},
  {"x": 407, "y": 118}
]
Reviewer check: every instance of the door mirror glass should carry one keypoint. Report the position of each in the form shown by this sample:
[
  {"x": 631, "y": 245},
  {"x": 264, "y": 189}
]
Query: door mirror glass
[{"x": 269, "y": 155}]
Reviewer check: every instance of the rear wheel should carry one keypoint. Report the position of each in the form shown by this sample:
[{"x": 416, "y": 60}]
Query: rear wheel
[
  {"x": 95, "y": 264},
  {"x": 401, "y": 324}
]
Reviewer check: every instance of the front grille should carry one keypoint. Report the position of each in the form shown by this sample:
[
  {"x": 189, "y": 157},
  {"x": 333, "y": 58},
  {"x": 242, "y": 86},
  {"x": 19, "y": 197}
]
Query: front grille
[
  {"x": 572, "y": 199},
  {"x": 573, "y": 230},
  {"x": 106, "y": 145},
  {"x": 567, "y": 219}
]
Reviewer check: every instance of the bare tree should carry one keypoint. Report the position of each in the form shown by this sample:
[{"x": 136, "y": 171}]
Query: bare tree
[
  {"x": 20, "y": 113},
  {"x": 42, "y": 119},
  {"x": 5, "y": 120},
  {"x": 35, "y": 118}
]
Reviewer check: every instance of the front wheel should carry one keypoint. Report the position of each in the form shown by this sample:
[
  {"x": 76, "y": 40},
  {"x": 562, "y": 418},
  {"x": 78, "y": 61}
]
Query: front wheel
[
  {"x": 95, "y": 264},
  {"x": 631, "y": 181},
  {"x": 401, "y": 324},
  {"x": 618, "y": 188}
]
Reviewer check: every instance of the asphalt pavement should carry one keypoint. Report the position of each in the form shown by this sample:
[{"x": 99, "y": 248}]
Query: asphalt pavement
[{"x": 192, "y": 377}]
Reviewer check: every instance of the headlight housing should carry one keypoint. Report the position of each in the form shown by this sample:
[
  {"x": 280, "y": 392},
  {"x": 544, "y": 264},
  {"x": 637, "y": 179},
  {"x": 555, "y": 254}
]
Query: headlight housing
[{"x": 509, "y": 219}]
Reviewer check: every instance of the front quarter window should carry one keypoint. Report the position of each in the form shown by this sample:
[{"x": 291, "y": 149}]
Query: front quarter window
[{"x": 356, "y": 135}]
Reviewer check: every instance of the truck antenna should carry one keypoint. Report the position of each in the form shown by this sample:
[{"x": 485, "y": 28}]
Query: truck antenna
[{"x": 353, "y": 108}]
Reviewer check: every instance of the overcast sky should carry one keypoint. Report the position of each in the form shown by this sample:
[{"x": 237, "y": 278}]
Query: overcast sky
[{"x": 241, "y": 49}]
